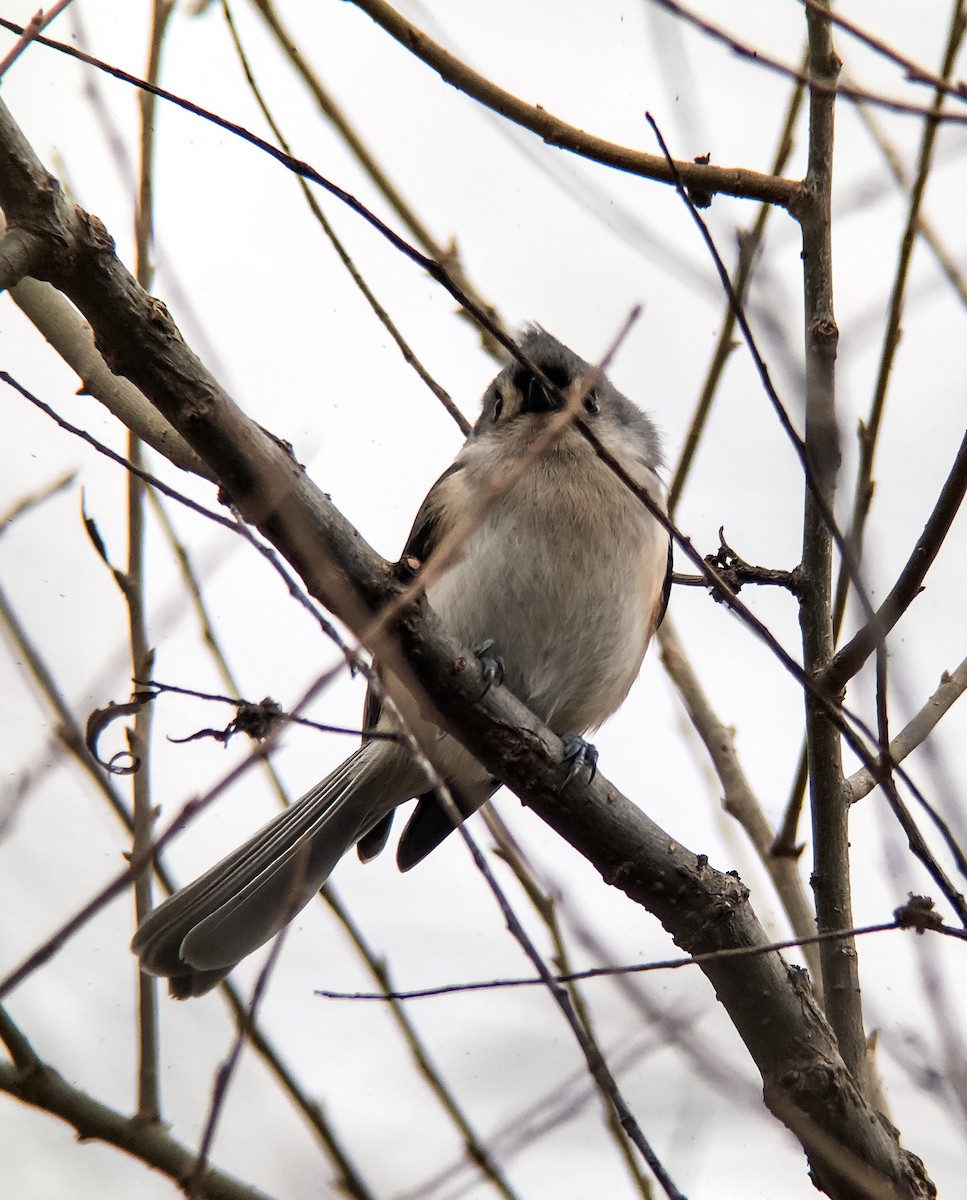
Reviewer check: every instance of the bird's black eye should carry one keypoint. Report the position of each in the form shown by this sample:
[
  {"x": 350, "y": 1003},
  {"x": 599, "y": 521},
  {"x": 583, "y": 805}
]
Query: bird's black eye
[
  {"x": 498, "y": 408},
  {"x": 591, "y": 402}
]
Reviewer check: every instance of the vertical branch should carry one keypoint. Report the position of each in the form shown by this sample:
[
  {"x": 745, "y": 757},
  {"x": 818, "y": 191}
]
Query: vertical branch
[
  {"x": 831, "y": 875},
  {"x": 870, "y": 428},
  {"x": 142, "y": 654},
  {"x": 139, "y": 735}
]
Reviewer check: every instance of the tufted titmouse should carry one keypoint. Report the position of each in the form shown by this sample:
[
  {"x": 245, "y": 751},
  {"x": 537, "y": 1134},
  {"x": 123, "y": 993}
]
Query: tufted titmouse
[{"x": 565, "y": 574}]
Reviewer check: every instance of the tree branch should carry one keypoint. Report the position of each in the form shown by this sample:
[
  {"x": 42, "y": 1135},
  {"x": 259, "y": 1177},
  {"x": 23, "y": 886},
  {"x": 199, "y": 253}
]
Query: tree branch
[
  {"x": 731, "y": 181},
  {"x": 817, "y": 83},
  {"x": 738, "y": 797},
  {"x": 851, "y": 657},
  {"x": 916, "y": 731},
  {"x": 831, "y": 870},
  {"x": 38, "y": 1084}
]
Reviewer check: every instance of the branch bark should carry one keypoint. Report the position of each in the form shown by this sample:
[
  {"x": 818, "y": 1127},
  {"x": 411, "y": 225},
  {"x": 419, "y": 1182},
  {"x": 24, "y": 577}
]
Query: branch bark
[{"x": 829, "y": 807}]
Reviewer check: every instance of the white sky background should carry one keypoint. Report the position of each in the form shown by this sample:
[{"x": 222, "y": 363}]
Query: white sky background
[{"x": 260, "y": 294}]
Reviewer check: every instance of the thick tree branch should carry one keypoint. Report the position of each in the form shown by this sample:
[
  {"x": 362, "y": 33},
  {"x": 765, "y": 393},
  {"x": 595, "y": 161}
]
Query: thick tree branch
[{"x": 805, "y": 1081}]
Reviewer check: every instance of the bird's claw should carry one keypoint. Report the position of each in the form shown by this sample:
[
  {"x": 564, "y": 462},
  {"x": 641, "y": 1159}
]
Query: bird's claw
[
  {"x": 491, "y": 664},
  {"x": 578, "y": 754}
]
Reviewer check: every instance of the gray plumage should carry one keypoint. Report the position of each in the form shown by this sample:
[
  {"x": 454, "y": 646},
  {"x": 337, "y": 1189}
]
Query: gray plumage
[{"x": 566, "y": 573}]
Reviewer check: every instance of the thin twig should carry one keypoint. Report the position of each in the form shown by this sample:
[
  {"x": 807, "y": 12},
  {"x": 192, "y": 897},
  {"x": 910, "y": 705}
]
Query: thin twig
[
  {"x": 72, "y": 737},
  {"x": 546, "y": 908},
  {"x": 226, "y": 1071},
  {"x": 870, "y": 428},
  {"x": 749, "y": 243},
  {"x": 40, "y": 20},
  {"x": 915, "y": 732},
  {"x": 40, "y": 1085},
  {"x": 381, "y": 314},
  {"x": 817, "y": 83},
  {"x": 365, "y": 156},
  {"x": 236, "y": 526},
  {"x": 169, "y": 491},
  {"x": 914, "y": 71},
  {"x": 850, "y": 658},
  {"x": 602, "y": 1075},
  {"x": 611, "y": 972},
  {"x": 31, "y": 501},
  {"x": 946, "y": 259},
  {"x": 133, "y": 582}
]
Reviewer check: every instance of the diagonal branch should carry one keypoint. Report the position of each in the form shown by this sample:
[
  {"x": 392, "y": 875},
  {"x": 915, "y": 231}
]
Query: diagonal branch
[
  {"x": 915, "y": 732},
  {"x": 816, "y": 80},
  {"x": 851, "y": 657},
  {"x": 731, "y": 181},
  {"x": 738, "y": 797},
  {"x": 37, "y": 1083}
]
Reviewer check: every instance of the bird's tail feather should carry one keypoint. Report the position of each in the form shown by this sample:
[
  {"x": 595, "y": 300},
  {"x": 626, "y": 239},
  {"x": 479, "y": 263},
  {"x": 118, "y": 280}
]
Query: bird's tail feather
[{"x": 197, "y": 935}]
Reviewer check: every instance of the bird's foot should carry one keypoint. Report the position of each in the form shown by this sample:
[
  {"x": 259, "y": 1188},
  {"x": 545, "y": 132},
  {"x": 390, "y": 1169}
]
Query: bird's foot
[
  {"x": 491, "y": 664},
  {"x": 578, "y": 754}
]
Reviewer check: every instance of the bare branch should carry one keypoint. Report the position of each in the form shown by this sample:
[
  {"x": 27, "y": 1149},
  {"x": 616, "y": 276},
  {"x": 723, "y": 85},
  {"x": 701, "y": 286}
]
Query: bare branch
[
  {"x": 851, "y": 657},
  {"x": 831, "y": 871},
  {"x": 731, "y": 181},
  {"x": 916, "y": 731},
  {"x": 914, "y": 71},
  {"x": 738, "y": 797},
  {"x": 133, "y": 586},
  {"x": 380, "y": 312},
  {"x": 40, "y": 20},
  {"x": 749, "y": 243},
  {"x": 38, "y": 1084},
  {"x": 870, "y": 428},
  {"x": 817, "y": 83},
  {"x": 61, "y": 324},
  {"x": 647, "y": 968},
  {"x": 366, "y": 157},
  {"x": 30, "y": 502},
  {"x": 73, "y": 738}
]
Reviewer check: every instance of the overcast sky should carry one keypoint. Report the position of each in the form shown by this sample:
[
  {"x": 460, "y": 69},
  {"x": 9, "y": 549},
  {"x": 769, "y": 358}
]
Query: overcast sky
[{"x": 259, "y": 293}]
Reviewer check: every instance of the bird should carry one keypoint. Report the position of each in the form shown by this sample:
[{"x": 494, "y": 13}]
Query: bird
[{"x": 561, "y": 582}]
